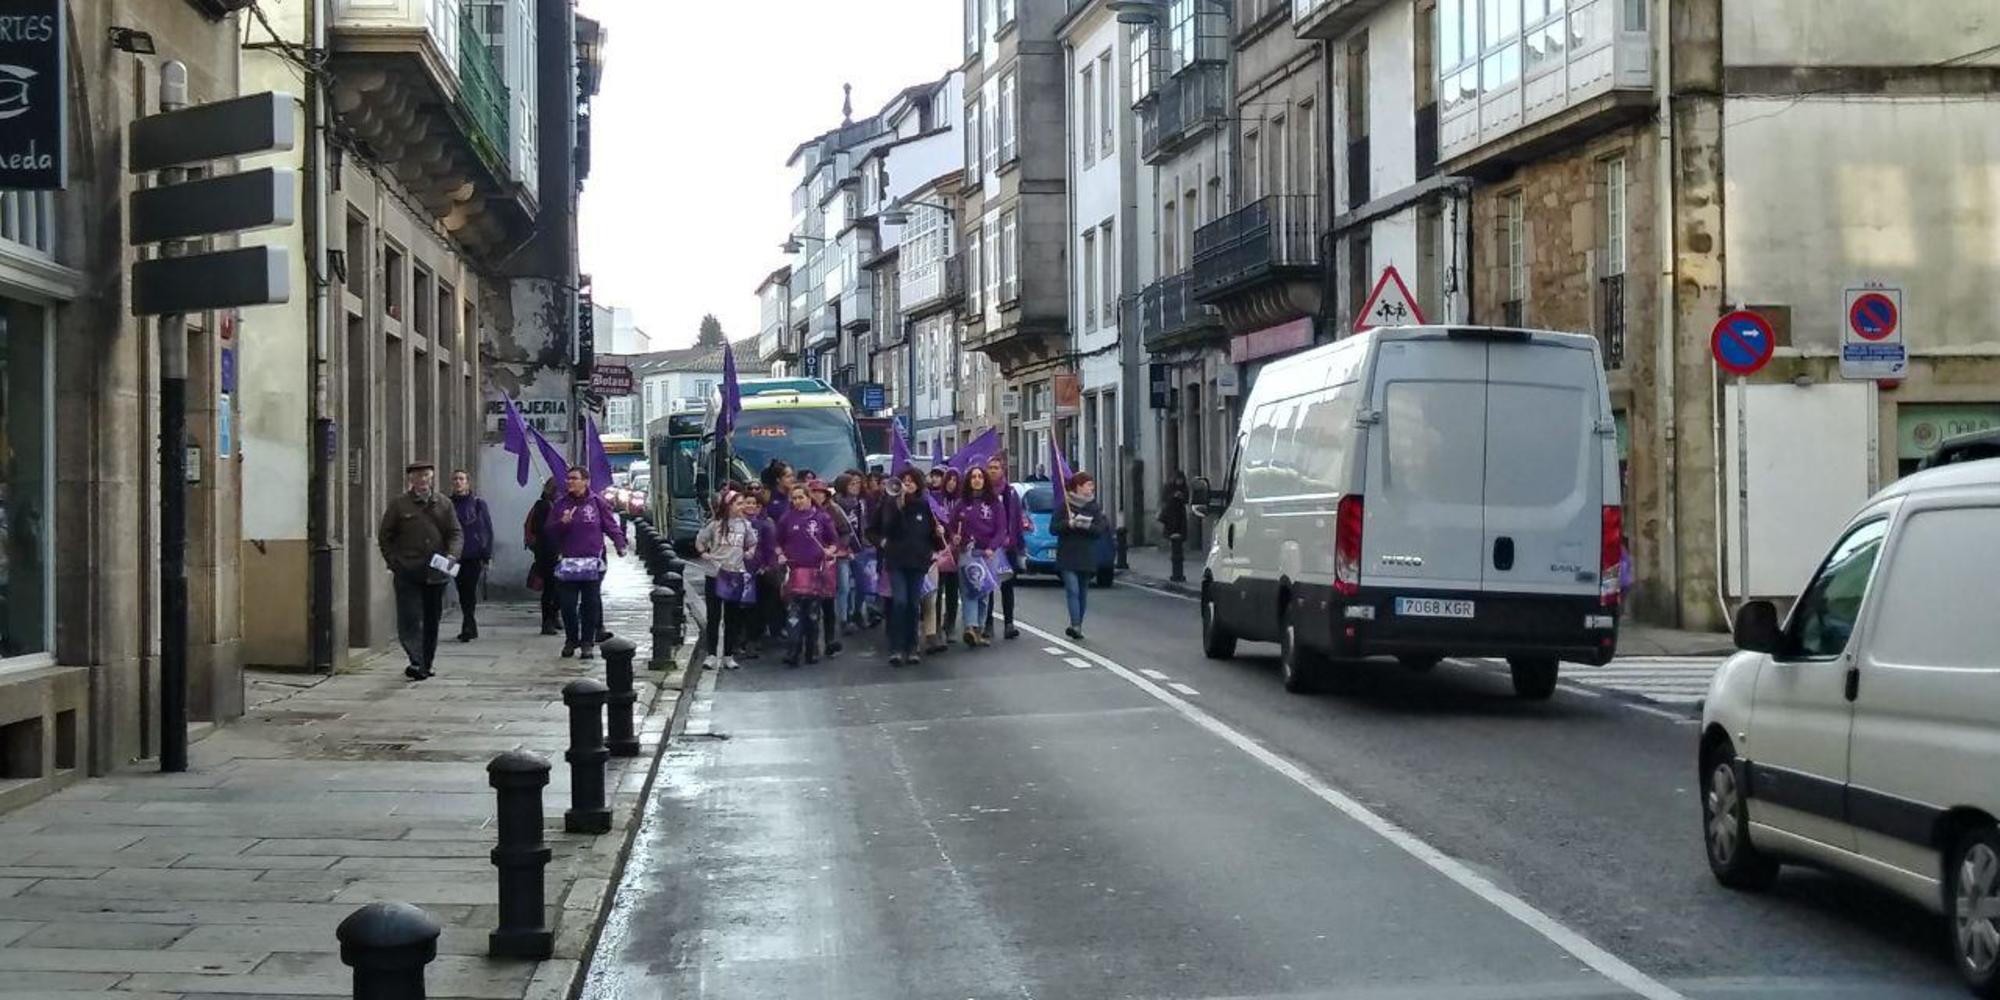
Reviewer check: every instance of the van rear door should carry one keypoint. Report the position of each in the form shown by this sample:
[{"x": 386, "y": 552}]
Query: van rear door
[
  {"x": 1424, "y": 525},
  {"x": 1545, "y": 481}
]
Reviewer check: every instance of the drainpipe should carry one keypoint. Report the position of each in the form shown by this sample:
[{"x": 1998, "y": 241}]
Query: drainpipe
[
  {"x": 324, "y": 444},
  {"x": 1665, "y": 351}
]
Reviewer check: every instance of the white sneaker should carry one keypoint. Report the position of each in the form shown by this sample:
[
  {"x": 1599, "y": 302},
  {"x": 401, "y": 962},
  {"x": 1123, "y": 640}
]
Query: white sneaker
[{"x": 729, "y": 663}]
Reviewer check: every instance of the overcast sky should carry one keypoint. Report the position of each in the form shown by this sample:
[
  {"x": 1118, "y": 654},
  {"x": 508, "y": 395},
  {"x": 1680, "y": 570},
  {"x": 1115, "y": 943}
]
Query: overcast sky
[{"x": 689, "y": 196}]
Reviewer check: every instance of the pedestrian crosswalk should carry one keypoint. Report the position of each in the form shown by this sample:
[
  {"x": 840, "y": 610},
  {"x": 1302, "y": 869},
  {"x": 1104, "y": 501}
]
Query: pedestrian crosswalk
[{"x": 1676, "y": 680}]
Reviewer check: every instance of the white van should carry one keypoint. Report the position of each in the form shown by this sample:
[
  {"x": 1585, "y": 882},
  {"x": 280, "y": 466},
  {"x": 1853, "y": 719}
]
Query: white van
[
  {"x": 1422, "y": 492},
  {"x": 1863, "y": 733}
]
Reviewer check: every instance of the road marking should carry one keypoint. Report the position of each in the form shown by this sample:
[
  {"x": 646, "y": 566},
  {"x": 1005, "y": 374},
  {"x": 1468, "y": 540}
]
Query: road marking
[
  {"x": 1581, "y": 948},
  {"x": 1679, "y": 717},
  {"x": 1184, "y": 689},
  {"x": 1055, "y": 651},
  {"x": 1154, "y": 674},
  {"x": 1079, "y": 663},
  {"x": 1155, "y": 590}
]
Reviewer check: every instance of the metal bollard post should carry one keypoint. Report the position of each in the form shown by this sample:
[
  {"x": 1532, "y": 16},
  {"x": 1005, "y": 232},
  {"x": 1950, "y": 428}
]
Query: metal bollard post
[
  {"x": 619, "y": 739},
  {"x": 586, "y": 755},
  {"x": 663, "y": 631},
  {"x": 387, "y": 945},
  {"x": 677, "y": 610},
  {"x": 518, "y": 779},
  {"x": 1124, "y": 548}
]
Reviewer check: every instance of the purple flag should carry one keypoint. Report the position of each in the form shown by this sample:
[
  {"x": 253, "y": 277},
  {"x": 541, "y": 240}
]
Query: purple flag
[
  {"x": 732, "y": 396},
  {"x": 514, "y": 439},
  {"x": 558, "y": 467},
  {"x": 594, "y": 458},
  {"x": 976, "y": 451},
  {"x": 899, "y": 451}
]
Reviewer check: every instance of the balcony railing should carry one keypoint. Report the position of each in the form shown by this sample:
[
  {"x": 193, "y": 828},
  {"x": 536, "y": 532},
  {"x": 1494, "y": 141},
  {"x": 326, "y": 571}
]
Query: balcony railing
[
  {"x": 482, "y": 90},
  {"x": 1169, "y": 314},
  {"x": 1255, "y": 243},
  {"x": 1187, "y": 104},
  {"x": 1611, "y": 327}
]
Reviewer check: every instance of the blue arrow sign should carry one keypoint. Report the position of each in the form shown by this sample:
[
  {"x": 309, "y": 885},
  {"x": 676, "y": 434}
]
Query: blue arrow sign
[{"x": 1743, "y": 342}]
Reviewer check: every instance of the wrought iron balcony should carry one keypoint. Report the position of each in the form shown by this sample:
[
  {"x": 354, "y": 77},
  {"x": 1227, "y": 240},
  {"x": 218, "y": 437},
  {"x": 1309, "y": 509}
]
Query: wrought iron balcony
[
  {"x": 1270, "y": 239},
  {"x": 1170, "y": 316},
  {"x": 1611, "y": 326},
  {"x": 1186, "y": 106}
]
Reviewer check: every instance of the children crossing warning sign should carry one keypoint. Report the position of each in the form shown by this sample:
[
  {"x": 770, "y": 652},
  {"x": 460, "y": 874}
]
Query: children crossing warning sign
[{"x": 1390, "y": 304}]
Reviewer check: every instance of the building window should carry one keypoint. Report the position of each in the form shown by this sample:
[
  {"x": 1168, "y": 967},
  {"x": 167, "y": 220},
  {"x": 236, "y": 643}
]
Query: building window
[
  {"x": 1107, "y": 85},
  {"x": 1274, "y": 160},
  {"x": 1182, "y": 17},
  {"x": 1306, "y": 162},
  {"x": 989, "y": 125},
  {"x": 1085, "y": 111},
  {"x": 1170, "y": 227},
  {"x": 1006, "y": 15},
  {"x": 1614, "y": 216},
  {"x": 25, "y": 474},
  {"x": 975, "y": 277},
  {"x": 1253, "y": 165},
  {"x": 975, "y": 134},
  {"x": 1141, "y": 40},
  {"x": 1360, "y": 271},
  {"x": 1108, "y": 287},
  {"x": 1010, "y": 256},
  {"x": 1089, "y": 283},
  {"x": 1430, "y": 221},
  {"x": 972, "y": 28},
  {"x": 1360, "y": 183},
  {"x": 1516, "y": 234},
  {"x": 1009, "y": 110},
  {"x": 995, "y": 263}
]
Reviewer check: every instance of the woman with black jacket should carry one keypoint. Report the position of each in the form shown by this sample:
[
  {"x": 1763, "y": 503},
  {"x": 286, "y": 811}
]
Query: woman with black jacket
[{"x": 909, "y": 535}]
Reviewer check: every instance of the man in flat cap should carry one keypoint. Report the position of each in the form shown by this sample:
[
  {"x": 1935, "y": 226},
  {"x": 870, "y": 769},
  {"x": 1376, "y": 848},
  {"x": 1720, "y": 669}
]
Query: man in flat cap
[{"x": 420, "y": 540}]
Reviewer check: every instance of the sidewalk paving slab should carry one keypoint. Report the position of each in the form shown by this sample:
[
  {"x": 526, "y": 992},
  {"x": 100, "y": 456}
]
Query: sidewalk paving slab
[{"x": 330, "y": 793}]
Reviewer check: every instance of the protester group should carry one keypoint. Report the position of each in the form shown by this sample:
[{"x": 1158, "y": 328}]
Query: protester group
[{"x": 799, "y": 561}]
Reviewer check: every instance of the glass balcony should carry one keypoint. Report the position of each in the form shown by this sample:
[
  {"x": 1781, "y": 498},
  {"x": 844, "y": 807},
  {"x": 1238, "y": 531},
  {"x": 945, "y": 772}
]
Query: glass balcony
[{"x": 1331, "y": 18}]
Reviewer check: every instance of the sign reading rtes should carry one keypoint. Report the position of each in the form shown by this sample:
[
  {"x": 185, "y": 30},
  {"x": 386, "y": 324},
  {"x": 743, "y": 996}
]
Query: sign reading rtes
[{"x": 34, "y": 136}]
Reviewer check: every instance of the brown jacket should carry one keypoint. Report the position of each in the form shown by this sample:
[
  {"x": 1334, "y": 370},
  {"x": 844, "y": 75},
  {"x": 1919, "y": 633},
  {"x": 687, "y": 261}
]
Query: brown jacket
[{"x": 415, "y": 529}]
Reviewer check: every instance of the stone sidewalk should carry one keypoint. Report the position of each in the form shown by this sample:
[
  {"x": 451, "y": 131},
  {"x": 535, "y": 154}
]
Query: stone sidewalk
[
  {"x": 1151, "y": 567},
  {"x": 332, "y": 792}
]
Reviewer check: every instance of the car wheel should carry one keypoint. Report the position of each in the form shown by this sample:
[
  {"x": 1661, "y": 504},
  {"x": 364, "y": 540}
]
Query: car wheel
[
  {"x": 1420, "y": 664},
  {"x": 1972, "y": 891},
  {"x": 1217, "y": 643},
  {"x": 1298, "y": 665},
  {"x": 1534, "y": 679},
  {"x": 1725, "y": 825},
  {"x": 1106, "y": 575}
]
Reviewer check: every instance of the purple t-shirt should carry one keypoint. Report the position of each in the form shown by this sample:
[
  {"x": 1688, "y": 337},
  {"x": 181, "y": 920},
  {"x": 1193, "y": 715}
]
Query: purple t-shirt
[
  {"x": 983, "y": 524},
  {"x": 806, "y": 537}
]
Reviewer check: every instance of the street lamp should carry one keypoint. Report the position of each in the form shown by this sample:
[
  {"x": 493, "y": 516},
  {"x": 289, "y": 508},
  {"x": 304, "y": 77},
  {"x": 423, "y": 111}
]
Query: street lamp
[
  {"x": 900, "y": 215},
  {"x": 791, "y": 244}
]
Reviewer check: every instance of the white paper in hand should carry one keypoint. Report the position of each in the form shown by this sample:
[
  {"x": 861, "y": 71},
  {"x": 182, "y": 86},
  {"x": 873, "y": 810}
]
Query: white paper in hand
[{"x": 445, "y": 564}]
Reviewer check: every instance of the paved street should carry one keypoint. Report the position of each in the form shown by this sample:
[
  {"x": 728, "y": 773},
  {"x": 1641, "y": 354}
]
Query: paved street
[{"x": 1129, "y": 819}]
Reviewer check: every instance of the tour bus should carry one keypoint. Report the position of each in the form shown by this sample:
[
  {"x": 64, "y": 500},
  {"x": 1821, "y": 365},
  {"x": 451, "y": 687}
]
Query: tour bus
[
  {"x": 677, "y": 508},
  {"x": 803, "y": 421}
]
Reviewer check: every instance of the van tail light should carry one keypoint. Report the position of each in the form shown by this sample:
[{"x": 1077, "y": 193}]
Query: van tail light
[
  {"x": 1347, "y": 547},
  {"x": 1610, "y": 564}
]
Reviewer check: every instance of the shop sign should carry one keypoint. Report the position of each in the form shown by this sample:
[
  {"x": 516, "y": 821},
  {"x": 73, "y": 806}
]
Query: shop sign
[
  {"x": 1270, "y": 341},
  {"x": 34, "y": 93},
  {"x": 1921, "y": 427}
]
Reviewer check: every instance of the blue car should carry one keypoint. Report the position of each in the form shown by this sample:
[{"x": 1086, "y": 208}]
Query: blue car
[{"x": 1039, "y": 501}]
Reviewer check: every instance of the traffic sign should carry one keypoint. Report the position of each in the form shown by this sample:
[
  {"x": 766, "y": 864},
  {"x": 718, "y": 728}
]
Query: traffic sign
[
  {"x": 1742, "y": 342},
  {"x": 1871, "y": 347},
  {"x": 1390, "y": 304}
]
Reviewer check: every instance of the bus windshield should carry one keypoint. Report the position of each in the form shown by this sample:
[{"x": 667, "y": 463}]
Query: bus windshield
[{"x": 819, "y": 440}]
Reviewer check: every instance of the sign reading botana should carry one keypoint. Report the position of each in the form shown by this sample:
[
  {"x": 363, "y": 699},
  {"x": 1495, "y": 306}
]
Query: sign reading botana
[{"x": 34, "y": 139}]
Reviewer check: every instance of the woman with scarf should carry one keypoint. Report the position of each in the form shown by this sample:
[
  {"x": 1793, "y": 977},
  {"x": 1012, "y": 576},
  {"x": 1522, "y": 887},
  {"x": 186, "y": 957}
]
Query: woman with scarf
[
  {"x": 805, "y": 546},
  {"x": 980, "y": 527},
  {"x": 1078, "y": 526},
  {"x": 579, "y": 523},
  {"x": 909, "y": 535}
]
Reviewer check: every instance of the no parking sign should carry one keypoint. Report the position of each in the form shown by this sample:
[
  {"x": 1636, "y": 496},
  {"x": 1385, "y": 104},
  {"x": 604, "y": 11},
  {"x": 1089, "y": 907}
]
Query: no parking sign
[{"x": 1871, "y": 345}]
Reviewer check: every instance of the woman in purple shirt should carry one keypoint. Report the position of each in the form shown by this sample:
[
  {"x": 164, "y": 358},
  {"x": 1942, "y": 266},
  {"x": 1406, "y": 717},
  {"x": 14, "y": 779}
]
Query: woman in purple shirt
[
  {"x": 578, "y": 524},
  {"x": 980, "y": 526},
  {"x": 805, "y": 544}
]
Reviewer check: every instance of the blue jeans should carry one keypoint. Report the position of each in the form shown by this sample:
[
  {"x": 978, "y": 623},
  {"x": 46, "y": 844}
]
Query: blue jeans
[
  {"x": 1076, "y": 587},
  {"x": 975, "y": 608},
  {"x": 843, "y": 594},
  {"x": 906, "y": 588}
]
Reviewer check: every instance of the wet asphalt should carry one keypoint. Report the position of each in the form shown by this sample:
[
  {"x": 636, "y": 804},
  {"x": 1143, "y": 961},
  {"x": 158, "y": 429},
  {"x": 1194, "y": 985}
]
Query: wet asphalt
[{"x": 1007, "y": 823}]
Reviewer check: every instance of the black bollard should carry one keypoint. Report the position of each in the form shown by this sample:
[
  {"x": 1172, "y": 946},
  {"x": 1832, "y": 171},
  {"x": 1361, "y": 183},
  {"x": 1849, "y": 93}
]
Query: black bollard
[
  {"x": 387, "y": 945},
  {"x": 1124, "y": 548},
  {"x": 663, "y": 631},
  {"x": 586, "y": 755},
  {"x": 518, "y": 778},
  {"x": 618, "y": 737},
  {"x": 676, "y": 610}
]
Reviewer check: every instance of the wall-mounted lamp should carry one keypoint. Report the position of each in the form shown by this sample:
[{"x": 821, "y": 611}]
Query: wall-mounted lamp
[{"x": 132, "y": 40}]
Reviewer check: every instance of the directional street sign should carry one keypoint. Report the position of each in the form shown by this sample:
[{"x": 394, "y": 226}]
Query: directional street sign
[
  {"x": 1390, "y": 304},
  {"x": 248, "y": 276},
  {"x": 1871, "y": 346},
  {"x": 231, "y": 203},
  {"x": 1743, "y": 342}
]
